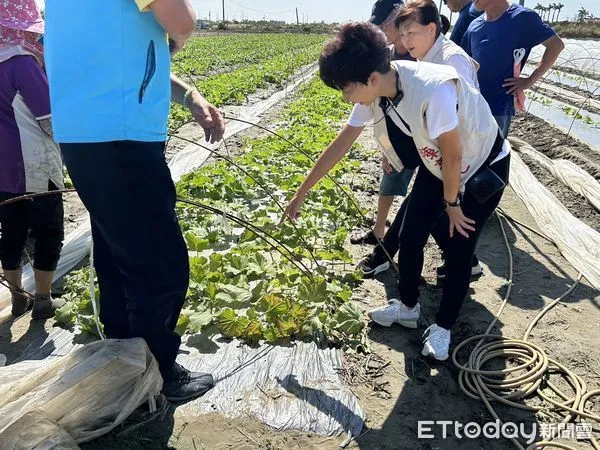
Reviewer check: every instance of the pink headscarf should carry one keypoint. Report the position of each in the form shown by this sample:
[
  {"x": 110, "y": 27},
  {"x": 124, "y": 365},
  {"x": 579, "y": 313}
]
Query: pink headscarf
[{"x": 21, "y": 24}]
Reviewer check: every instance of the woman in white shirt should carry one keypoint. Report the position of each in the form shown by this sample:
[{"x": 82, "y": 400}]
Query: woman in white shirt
[
  {"x": 461, "y": 171},
  {"x": 419, "y": 26}
]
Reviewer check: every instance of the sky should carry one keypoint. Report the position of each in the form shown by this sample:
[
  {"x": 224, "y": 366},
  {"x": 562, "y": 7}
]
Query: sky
[
  {"x": 334, "y": 10},
  {"x": 337, "y": 10}
]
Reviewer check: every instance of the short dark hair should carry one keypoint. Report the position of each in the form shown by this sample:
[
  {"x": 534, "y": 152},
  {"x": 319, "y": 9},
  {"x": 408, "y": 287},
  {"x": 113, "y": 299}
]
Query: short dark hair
[
  {"x": 445, "y": 24},
  {"x": 358, "y": 50},
  {"x": 423, "y": 12}
]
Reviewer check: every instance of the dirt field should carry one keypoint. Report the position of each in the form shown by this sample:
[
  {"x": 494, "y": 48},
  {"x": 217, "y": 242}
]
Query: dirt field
[{"x": 409, "y": 388}]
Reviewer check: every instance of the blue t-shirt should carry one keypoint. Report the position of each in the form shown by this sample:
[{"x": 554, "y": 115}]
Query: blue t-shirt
[
  {"x": 491, "y": 44},
  {"x": 466, "y": 15},
  {"x": 108, "y": 65}
]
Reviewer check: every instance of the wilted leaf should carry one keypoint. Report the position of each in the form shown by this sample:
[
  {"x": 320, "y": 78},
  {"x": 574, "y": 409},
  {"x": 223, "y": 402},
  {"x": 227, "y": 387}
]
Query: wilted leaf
[{"x": 230, "y": 324}]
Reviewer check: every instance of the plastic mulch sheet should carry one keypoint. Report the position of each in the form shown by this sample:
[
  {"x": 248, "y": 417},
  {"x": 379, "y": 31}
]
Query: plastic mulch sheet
[
  {"x": 567, "y": 172},
  {"x": 578, "y": 243}
]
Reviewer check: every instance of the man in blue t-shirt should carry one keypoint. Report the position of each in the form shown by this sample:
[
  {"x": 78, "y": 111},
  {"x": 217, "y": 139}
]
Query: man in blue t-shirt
[
  {"x": 466, "y": 14},
  {"x": 108, "y": 65},
  {"x": 491, "y": 40}
]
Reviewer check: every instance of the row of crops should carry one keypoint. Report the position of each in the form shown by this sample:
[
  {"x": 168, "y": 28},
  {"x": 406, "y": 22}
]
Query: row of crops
[
  {"x": 575, "y": 70},
  {"x": 251, "y": 277},
  {"x": 255, "y": 62}
]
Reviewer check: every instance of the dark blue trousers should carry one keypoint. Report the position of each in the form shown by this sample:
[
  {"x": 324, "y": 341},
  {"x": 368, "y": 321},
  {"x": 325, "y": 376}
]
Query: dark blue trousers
[{"x": 140, "y": 255}]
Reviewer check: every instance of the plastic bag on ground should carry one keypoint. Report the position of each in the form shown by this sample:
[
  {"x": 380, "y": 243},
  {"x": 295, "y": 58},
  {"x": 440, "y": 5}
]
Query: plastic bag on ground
[
  {"x": 34, "y": 431},
  {"x": 86, "y": 393}
]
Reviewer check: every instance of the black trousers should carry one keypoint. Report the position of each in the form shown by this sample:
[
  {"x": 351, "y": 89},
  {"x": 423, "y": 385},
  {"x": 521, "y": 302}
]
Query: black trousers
[
  {"x": 141, "y": 257},
  {"x": 424, "y": 208},
  {"x": 42, "y": 219}
]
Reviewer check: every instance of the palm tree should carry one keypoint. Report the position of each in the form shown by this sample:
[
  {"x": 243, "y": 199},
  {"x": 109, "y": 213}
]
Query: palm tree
[
  {"x": 582, "y": 14},
  {"x": 545, "y": 10},
  {"x": 554, "y": 10},
  {"x": 559, "y": 6},
  {"x": 538, "y": 8}
]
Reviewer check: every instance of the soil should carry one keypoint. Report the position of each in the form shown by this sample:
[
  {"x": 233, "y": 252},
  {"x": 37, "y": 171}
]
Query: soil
[
  {"x": 409, "y": 388},
  {"x": 554, "y": 143}
]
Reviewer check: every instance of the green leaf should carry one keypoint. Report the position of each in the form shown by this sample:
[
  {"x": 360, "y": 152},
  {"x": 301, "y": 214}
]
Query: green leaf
[
  {"x": 194, "y": 242},
  {"x": 313, "y": 291},
  {"x": 211, "y": 291},
  {"x": 348, "y": 319},
  {"x": 274, "y": 307},
  {"x": 199, "y": 320},
  {"x": 66, "y": 315},
  {"x": 230, "y": 294},
  {"x": 182, "y": 325},
  {"x": 271, "y": 334},
  {"x": 230, "y": 324}
]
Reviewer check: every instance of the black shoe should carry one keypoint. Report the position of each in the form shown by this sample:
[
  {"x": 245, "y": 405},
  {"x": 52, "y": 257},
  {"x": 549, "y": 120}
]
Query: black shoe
[
  {"x": 363, "y": 237},
  {"x": 476, "y": 270},
  {"x": 187, "y": 385},
  {"x": 20, "y": 304},
  {"x": 370, "y": 267}
]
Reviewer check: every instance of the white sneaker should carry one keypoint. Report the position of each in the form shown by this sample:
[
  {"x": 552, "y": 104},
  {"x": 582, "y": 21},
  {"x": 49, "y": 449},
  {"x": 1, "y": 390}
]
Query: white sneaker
[
  {"x": 396, "y": 312},
  {"x": 436, "y": 343}
]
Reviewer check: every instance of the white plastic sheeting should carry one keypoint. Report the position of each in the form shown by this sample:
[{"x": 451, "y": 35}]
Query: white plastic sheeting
[
  {"x": 293, "y": 387},
  {"x": 82, "y": 395},
  {"x": 579, "y": 243},
  {"x": 77, "y": 243},
  {"x": 567, "y": 172}
]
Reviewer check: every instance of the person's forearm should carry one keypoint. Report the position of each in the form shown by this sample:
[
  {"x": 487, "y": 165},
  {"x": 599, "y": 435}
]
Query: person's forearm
[
  {"x": 330, "y": 157},
  {"x": 551, "y": 54},
  {"x": 451, "y": 168},
  {"x": 450, "y": 147},
  {"x": 178, "y": 89}
]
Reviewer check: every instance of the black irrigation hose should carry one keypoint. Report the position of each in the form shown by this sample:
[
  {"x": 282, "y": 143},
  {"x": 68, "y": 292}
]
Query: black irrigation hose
[
  {"x": 14, "y": 288},
  {"x": 257, "y": 231},
  {"x": 34, "y": 195},
  {"x": 260, "y": 184}
]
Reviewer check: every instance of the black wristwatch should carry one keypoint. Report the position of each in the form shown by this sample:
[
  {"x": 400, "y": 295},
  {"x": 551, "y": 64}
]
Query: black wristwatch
[{"x": 453, "y": 204}]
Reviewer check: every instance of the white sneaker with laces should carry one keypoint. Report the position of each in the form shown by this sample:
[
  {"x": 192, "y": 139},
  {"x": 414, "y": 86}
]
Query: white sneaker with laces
[
  {"x": 436, "y": 343},
  {"x": 396, "y": 312}
]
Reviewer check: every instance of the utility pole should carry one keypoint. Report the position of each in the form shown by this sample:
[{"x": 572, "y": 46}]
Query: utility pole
[
  {"x": 209, "y": 15},
  {"x": 297, "y": 19},
  {"x": 223, "y": 10}
]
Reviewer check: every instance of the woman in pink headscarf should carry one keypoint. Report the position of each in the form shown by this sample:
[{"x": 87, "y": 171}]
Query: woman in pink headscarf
[{"x": 29, "y": 159}]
